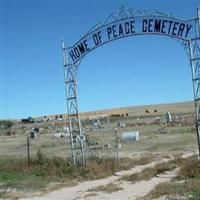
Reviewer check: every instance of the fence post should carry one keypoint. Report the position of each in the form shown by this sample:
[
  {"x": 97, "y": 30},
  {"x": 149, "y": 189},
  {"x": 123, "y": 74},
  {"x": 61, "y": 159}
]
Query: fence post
[
  {"x": 117, "y": 147},
  {"x": 28, "y": 151}
]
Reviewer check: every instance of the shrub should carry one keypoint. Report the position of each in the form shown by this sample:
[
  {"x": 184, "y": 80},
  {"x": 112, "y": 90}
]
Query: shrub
[
  {"x": 6, "y": 123},
  {"x": 190, "y": 169}
]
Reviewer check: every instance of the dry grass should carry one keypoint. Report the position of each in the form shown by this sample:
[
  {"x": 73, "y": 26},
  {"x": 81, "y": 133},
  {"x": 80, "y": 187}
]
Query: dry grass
[
  {"x": 109, "y": 188},
  {"x": 190, "y": 169},
  {"x": 179, "y": 139},
  {"x": 176, "y": 190},
  {"x": 90, "y": 195},
  {"x": 185, "y": 186},
  {"x": 127, "y": 163},
  {"x": 148, "y": 173},
  {"x": 15, "y": 173},
  {"x": 151, "y": 172},
  {"x": 96, "y": 168},
  {"x": 143, "y": 160}
]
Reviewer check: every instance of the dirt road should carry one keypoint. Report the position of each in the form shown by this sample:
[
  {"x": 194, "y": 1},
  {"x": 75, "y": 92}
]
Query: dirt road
[{"x": 128, "y": 190}]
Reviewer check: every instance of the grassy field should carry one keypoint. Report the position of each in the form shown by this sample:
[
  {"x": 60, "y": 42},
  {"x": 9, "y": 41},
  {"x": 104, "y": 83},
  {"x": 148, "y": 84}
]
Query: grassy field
[{"x": 176, "y": 139}]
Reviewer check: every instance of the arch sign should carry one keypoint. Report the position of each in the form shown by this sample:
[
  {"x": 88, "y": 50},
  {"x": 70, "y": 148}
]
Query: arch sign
[
  {"x": 127, "y": 23},
  {"x": 158, "y": 25}
]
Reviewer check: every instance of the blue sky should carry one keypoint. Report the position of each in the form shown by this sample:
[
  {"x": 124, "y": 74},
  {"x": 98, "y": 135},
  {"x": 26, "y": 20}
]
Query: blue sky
[{"x": 131, "y": 71}]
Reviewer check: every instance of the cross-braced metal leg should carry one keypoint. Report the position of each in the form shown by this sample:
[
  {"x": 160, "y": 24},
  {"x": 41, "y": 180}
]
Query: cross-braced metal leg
[
  {"x": 76, "y": 132},
  {"x": 194, "y": 56},
  {"x": 194, "y": 47}
]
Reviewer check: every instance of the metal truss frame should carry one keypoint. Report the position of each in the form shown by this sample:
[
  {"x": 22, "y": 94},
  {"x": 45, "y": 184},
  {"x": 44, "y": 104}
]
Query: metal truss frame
[
  {"x": 192, "y": 48},
  {"x": 194, "y": 52},
  {"x": 75, "y": 128},
  {"x": 194, "y": 57},
  {"x": 77, "y": 134}
]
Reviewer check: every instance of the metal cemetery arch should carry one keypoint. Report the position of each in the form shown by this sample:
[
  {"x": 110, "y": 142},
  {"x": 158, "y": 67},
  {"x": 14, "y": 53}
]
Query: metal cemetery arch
[{"x": 125, "y": 23}]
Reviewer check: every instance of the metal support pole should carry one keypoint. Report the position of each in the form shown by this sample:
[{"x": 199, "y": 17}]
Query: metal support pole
[
  {"x": 195, "y": 67},
  {"x": 80, "y": 130},
  {"x": 69, "y": 119},
  {"x": 76, "y": 132},
  {"x": 198, "y": 66},
  {"x": 198, "y": 20}
]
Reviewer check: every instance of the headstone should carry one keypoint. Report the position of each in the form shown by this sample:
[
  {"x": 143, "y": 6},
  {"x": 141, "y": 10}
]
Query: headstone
[{"x": 168, "y": 118}]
